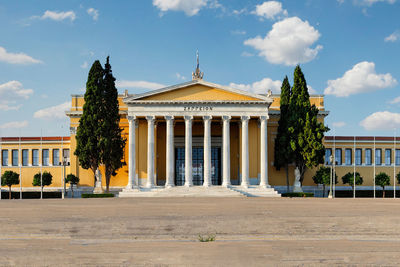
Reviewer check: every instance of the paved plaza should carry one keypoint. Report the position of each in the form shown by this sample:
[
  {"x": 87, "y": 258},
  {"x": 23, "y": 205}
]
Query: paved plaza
[{"x": 164, "y": 231}]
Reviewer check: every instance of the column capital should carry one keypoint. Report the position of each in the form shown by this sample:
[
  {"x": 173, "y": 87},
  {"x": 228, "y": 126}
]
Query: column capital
[
  {"x": 131, "y": 118},
  {"x": 188, "y": 118},
  {"x": 226, "y": 118},
  {"x": 207, "y": 117},
  {"x": 169, "y": 118},
  {"x": 245, "y": 118},
  {"x": 150, "y": 118},
  {"x": 263, "y": 118}
]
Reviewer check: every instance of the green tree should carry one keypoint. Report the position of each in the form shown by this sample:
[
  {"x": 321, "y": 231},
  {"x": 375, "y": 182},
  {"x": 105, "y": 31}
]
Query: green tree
[
  {"x": 306, "y": 132},
  {"x": 88, "y": 136},
  {"x": 282, "y": 150},
  {"x": 9, "y": 178},
  {"x": 382, "y": 179},
  {"x": 112, "y": 144},
  {"x": 398, "y": 178},
  {"x": 323, "y": 176},
  {"x": 72, "y": 180},
  {"x": 46, "y": 180},
  {"x": 348, "y": 178}
]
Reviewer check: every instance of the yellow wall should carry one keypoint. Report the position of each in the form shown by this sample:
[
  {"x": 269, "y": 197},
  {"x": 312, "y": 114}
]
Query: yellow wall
[
  {"x": 316, "y": 100},
  {"x": 27, "y": 172}
]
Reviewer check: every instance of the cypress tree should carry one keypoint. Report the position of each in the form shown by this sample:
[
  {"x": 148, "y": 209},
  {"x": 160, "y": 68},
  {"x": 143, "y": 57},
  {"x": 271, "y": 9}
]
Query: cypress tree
[
  {"x": 306, "y": 132},
  {"x": 112, "y": 143},
  {"x": 89, "y": 132},
  {"x": 282, "y": 152}
]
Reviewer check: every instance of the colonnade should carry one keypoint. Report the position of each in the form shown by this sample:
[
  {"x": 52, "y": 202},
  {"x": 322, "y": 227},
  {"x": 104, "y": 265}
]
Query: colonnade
[{"x": 170, "y": 157}]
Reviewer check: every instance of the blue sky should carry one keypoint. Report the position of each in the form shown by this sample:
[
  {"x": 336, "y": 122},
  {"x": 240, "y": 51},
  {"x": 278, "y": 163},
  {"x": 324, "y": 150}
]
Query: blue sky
[{"x": 348, "y": 50}]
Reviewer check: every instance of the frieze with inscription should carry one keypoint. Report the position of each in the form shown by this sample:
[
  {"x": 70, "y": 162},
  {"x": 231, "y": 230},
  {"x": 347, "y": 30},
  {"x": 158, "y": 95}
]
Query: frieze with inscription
[{"x": 197, "y": 108}]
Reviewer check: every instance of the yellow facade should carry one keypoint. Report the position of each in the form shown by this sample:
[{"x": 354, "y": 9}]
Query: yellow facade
[
  {"x": 191, "y": 93},
  {"x": 27, "y": 167}
]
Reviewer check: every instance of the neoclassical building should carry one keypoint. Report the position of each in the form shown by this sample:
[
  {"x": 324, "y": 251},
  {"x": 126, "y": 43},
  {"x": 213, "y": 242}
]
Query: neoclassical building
[{"x": 224, "y": 135}]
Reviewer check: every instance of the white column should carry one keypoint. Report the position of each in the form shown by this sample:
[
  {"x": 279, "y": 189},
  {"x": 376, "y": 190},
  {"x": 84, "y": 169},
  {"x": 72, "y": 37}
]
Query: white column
[
  {"x": 170, "y": 159},
  {"x": 132, "y": 154},
  {"x": 226, "y": 154},
  {"x": 264, "y": 152},
  {"x": 207, "y": 151},
  {"x": 245, "y": 151},
  {"x": 188, "y": 151},
  {"x": 150, "y": 151}
]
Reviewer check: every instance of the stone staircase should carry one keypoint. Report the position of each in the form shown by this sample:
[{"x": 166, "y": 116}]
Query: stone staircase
[
  {"x": 256, "y": 191},
  {"x": 200, "y": 191}
]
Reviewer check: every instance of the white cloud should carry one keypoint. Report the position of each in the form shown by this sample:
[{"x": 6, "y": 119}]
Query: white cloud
[
  {"x": 9, "y": 105},
  {"x": 239, "y": 12},
  {"x": 371, "y": 2},
  {"x": 84, "y": 65},
  {"x": 289, "y": 42},
  {"x": 238, "y": 32},
  {"x": 54, "y": 112},
  {"x": 270, "y": 10},
  {"x": 180, "y": 77},
  {"x": 311, "y": 90},
  {"x": 393, "y": 37},
  {"x": 382, "y": 120},
  {"x": 247, "y": 54},
  {"x": 339, "y": 124},
  {"x": 138, "y": 84},
  {"x": 360, "y": 79},
  {"x": 190, "y": 7},
  {"x": 395, "y": 101},
  {"x": 57, "y": 16},
  {"x": 94, "y": 13},
  {"x": 14, "y": 89},
  {"x": 16, "y": 58},
  {"x": 10, "y": 92},
  {"x": 260, "y": 87},
  {"x": 368, "y": 2},
  {"x": 14, "y": 125}
]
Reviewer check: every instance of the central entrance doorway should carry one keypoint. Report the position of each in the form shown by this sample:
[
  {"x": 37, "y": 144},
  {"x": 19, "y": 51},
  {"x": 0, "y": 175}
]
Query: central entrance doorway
[{"x": 198, "y": 165}]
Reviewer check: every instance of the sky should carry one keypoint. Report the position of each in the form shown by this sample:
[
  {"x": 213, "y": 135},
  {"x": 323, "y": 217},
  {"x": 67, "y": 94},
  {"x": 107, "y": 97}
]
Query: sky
[{"x": 348, "y": 51}]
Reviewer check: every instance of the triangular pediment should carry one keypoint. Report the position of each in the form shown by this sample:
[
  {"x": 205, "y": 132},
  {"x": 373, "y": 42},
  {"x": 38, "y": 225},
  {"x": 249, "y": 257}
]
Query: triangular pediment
[{"x": 198, "y": 90}]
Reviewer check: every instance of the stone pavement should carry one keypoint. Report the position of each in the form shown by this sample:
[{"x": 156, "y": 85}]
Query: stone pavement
[{"x": 164, "y": 231}]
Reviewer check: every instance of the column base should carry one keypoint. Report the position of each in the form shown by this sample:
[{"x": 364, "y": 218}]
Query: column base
[
  {"x": 265, "y": 186},
  {"x": 244, "y": 185},
  {"x": 227, "y": 185},
  {"x": 131, "y": 188},
  {"x": 98, "y": 190},
  {"x": 169, "y": 185},
  {"x": 188, "y": 185}
]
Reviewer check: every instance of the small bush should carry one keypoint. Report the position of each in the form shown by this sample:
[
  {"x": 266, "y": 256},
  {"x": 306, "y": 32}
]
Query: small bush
[
  {"x": 46, "y": 179},
  {"x": 97, "y": 195},
  {"x": 298, "y": 194},
  {"x": 72, "y": 179},
  {"x": 209, "y": 238}
]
